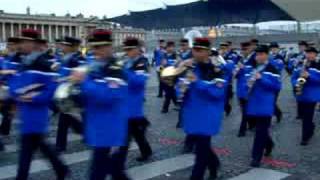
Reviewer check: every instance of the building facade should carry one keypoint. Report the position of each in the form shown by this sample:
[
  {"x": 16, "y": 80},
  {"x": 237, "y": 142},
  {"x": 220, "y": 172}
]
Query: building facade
[{"x": 53, "y": 27}]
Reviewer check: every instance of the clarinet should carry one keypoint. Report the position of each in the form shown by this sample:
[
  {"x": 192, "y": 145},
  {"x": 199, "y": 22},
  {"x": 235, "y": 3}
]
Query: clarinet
[{"x": 252, "y": 80}]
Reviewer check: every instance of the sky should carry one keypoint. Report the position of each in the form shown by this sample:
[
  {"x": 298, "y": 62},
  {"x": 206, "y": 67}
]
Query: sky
[
  {"x": 110, "y": 8},
  {"x": 100, "y": 8}
]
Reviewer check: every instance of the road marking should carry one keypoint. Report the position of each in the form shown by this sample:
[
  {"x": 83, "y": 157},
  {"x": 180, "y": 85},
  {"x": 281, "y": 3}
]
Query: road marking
[
  {"x": 42, "y": 165},
  {"x": 52, "y": 140},
  {"x": 261, "y": 174},
  {"x": 158, "y": 168}
]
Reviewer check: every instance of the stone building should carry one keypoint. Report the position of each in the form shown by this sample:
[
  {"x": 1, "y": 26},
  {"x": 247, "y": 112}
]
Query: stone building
[{"x": 53, "y": 27}]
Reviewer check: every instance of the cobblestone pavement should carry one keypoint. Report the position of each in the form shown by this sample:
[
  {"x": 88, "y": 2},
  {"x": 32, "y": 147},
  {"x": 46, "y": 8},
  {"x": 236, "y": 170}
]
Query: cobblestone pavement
[{"x": 300, "y": 163}]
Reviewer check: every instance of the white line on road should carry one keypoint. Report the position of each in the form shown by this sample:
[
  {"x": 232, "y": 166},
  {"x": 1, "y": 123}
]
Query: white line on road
[
  {"x": 158, "y": 168},
  {"x": 261, "y": 174},
  {"x": 42, "y": 165},
  {"x": 71, "y": 138}
]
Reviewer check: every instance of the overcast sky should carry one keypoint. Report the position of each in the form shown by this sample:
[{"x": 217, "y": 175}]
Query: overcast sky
[
  {"x": 87, "y": 7},
  {"x": 110, "y": 8}
]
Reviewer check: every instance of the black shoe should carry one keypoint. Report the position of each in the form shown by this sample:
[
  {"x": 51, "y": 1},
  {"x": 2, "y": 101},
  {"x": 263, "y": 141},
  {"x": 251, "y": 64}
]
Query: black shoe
[
  {"x": 187, "y": 150},
  {"x": 213, "y": 175},
  {"x": 177, "y": 108},
  {"x": 298, "y": 117},
  {"x": 268, "y": 151},
  {"x": 241, "y": 134},
  {"x": 159, "y": 96},
  {"x": 304, "y": 143},
  {"x": 255, "y": 163},
  {"x": 60, "y": 149},
  {"x": 164, "y": 111},
  {"x": 64, "y": 174},
  {"x": 1, "y": 147},
  {"x": 279, "y": 118},
  {"x": 228, "y": 110},
  {"x": 143, "y": 158}
]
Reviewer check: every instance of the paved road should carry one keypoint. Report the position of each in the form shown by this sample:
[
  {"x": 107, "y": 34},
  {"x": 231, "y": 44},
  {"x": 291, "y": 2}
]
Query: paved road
[{"x": 289, "y": 161}]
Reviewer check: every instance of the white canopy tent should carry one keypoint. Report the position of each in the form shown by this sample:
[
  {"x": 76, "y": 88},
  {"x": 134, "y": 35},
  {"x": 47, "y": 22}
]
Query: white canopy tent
[{"x": 301, "y": 10}]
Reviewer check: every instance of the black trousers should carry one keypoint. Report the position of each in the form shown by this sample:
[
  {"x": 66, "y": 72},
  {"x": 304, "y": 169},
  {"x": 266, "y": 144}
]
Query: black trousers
[
  {"x": 277, "y": 110},
  {"x": 262, "y": 139},
  {"x": 170, "y": 95},
  {"x": 246, "y": 121},
  {"x": 205, "y": 158},
  {"x": 29, "y": 144},
  {"x": 7, "y": 116},
  {"x": 66, "y": 121},
  {"x": 1, "y": 145},
  {"x": 189, "y": 142},
  {"x": 299, "y": 110},
  {"x": 160, "y": 87},
  {"x": 227, "y": 105},
  {"x": 137, "y": 130},
  {"x": 105, "y": 163},
  {"x": 307, "y": 112}
]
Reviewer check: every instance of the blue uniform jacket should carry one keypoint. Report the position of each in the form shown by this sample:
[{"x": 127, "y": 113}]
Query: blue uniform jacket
[
  {"x": 262, "y": 95},
  {"x": 158, "y": 56},
  {"x": 277, "y": 61},
  {"x": 295, "y": 62},
  {"x": 242, "y": 89},
  {"x": 34, "y": 116},
  {"x": 137, "y": 74},
  {"x": 105, "y": 107},
  {"x": 311, "y": 89},
  {"x": 203, "y": 105},
  {"x": 233, "y": 56},
  {"x": 70, "y": 61},
  {"x": 228, "y": 69},
  {"x": 185, "y": 55},
  {"x": 171, "y": 59},
  {"x": 106, "y": 113},
  {"x": 12, "y": 62}
]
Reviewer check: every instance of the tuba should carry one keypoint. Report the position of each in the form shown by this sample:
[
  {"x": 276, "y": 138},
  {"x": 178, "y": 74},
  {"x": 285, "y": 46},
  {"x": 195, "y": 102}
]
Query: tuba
[
  {"x": 182, "y": 73},
  {"x": 67, "y": 94},
  {"x": 169, "y": 74}
]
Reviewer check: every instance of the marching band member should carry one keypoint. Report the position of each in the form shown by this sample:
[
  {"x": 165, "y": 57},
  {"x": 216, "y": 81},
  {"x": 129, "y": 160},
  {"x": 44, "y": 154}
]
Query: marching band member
[
  {"x": 306, "y": 82},
  {"x": 33, "y": 90},
  {"x": 158, "y": 57},
  {"x": 105, "y": 94},
  {"x": 243, "y": 67},
  {"x": 278, "y": 61},
  {"x": 297, "y": 59},
  {"x": 12, "y": 59},
  {"x": 263, "y": 84},
  {"x": 136, "y": 68},
  {"x": 227, "y": 52},
  {"x": 170, "y": 59},
  {"x": 231, "y": 59},
  {"x": 72, "y": 58},
  {"x": 202, "y": 109},
  {"x": 295, "y": 62},
  {"x": 254, "y": 43},
  {"x": 58, "y": 49},
  {"x": 185, "y": 51}
]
